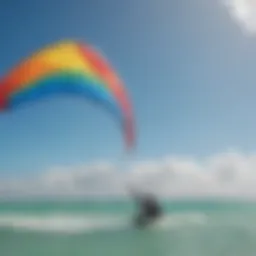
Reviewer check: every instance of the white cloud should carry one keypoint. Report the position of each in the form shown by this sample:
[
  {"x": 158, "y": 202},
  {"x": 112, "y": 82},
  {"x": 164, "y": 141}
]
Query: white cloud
[
  {"x": 244, "y": 12},
  {"x": 230, "y": 174}
]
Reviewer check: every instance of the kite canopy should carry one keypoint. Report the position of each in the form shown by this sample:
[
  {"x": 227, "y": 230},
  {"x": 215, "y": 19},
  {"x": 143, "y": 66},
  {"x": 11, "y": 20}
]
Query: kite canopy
[{"x": 69, "y": 67}]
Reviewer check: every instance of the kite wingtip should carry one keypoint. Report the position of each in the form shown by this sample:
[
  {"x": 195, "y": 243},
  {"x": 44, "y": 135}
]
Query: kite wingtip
[{"x": 2, "y": 97}]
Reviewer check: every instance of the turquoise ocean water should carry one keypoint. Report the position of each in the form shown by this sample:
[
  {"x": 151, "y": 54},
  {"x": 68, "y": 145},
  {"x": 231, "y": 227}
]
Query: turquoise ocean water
[{"x": 192, "y": 228}]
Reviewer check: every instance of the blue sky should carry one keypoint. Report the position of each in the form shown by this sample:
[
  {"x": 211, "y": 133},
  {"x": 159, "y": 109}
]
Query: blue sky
[{"x": 188, "y": 67}]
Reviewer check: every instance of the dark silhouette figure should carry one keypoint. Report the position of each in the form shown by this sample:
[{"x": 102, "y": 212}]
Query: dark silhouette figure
[{"x": 149, "y": 211}]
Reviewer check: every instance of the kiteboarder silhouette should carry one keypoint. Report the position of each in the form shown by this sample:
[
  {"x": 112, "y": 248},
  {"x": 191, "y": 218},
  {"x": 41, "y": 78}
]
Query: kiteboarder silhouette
[{"x": 149, "y": 209}]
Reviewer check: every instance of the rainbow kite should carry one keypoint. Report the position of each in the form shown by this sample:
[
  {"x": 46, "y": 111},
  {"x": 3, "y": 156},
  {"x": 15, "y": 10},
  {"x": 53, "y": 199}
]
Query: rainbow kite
[{"x": 68, "y": 67}]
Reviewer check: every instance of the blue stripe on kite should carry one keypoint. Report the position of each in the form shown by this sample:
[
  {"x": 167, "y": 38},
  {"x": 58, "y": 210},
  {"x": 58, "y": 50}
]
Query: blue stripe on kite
[{"x": 65, "y": 83}]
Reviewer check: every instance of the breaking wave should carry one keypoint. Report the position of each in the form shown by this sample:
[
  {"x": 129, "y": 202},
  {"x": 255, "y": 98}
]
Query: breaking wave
[{"x": 73, "y": 223}]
